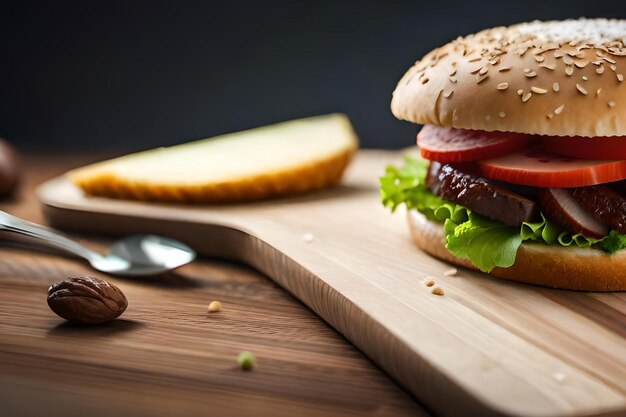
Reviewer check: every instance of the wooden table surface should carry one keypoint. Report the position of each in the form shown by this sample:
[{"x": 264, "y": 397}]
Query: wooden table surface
[{"x": 167, "y": 355}]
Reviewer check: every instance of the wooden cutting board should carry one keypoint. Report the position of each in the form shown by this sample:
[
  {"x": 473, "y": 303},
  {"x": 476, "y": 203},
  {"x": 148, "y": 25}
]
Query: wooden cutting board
[{"x": 488, "y": 347}]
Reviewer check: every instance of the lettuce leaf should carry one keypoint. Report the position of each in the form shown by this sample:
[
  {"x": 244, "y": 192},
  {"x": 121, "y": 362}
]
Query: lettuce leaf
[
  {"x": 484, "y": 242},
  {"x": 614, "y": 242}
]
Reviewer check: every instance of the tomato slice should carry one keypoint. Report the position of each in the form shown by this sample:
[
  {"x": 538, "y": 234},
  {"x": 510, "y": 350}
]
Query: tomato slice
[
  {"x": 444, "y": 144},
  {"x": 538, "y": 168},
  {"x": 606, "y": 147}
]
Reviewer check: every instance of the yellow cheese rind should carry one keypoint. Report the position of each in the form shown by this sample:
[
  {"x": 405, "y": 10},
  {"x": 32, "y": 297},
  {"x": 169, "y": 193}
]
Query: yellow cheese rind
[{"x": 288, "y": 158}]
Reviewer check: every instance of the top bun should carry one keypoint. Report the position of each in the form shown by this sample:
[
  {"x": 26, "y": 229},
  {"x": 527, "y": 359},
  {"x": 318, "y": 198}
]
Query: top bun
[{"x": 559, "y": 78}]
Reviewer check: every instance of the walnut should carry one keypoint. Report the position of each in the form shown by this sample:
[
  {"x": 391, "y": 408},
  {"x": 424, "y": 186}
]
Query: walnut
[{"x": 86, "y": 300}]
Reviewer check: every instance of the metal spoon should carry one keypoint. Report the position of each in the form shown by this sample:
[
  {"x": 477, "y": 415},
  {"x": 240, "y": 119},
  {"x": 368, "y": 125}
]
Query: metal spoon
[{"x": 134, "y": 255}]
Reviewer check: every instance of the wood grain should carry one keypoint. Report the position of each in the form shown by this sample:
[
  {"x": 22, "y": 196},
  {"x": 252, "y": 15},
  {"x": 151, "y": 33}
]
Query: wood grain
[
  {"x": 166, "y": 355},
  {"x": 488, "y": 347}
]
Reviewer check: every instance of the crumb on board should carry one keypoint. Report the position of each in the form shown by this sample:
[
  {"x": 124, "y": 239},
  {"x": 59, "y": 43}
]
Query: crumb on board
[
  {"x": 450, "y": 272},
  {"x": 215, "y": 306},
  {"x": 437, "y": 291},
  {"x": 429, "y": 282}
]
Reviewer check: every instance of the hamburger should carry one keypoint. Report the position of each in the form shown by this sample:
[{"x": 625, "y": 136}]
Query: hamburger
[{"x": 522, "y": 172}]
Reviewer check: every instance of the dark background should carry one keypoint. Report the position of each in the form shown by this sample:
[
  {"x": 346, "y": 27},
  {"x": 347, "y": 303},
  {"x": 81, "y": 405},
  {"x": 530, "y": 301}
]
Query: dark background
[{"x": 127, "y": 75}]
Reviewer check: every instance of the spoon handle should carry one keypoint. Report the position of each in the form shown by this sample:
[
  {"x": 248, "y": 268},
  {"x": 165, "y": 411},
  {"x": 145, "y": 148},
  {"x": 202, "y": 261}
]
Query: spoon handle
[{"x": 14, "y": 224}]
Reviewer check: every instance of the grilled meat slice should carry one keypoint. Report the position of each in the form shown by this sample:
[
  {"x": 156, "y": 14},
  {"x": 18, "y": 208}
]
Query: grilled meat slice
[
  {"x": 477, "y": 194},
  {"x": 559, "y": 206},
  {"x": 606, "y": 205}
]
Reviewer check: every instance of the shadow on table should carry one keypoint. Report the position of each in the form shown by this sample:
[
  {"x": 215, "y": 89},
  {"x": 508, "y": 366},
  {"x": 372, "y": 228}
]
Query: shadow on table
[{"x": 85, "y": 330}]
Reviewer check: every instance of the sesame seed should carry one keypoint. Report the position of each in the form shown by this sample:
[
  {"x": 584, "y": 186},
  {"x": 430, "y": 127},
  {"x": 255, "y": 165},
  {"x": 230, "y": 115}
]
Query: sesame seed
[
  {"x": 475, "y": 59},
  {"x": 538, "y": 90},
  {"x": 581, "y": 89},
  {"x": 559, "y": 109},
  {"x": 584, "y": 77},
  {"x": 551, "y": 67},
  {"x": 520, "y": 92},
  {"x": 527, "y": 70},
  {"x": 569, "y": 71},
  {"x": 620, "y": 77},
  {"x": 503, "y": 86},
  {"x": 531, "y": 74},
  {"x": 600, "y": 69},
  {"x": 598, "y": 92},
  {"x": 611, "y": 104},
  {"x": 581, "y": 64},
  {"x": 607, "y": 59},
  {"x": 556, "y": 87},
  {"x": 568, "y": 60},
  {"x": 453, "y": 79},
  {"x": 503, "y": 69},
  {"x": 483, "y": 70},
  {"x": 424, "y": 80},
  {"x": 550, "y": 115},
  {"x": 613, "y": 68},
  {"x": 526, "y": 97},
  {"x": 481, "y": 78},
  {"x": 502, "y": 114},
  {"x": 540, "y": 58}
]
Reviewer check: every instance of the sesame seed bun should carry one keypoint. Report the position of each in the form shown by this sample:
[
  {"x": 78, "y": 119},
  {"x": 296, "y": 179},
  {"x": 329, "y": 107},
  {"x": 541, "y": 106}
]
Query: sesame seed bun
[
  {"x": 556, "y": 78},
  {"x": 570, "y": 268}
]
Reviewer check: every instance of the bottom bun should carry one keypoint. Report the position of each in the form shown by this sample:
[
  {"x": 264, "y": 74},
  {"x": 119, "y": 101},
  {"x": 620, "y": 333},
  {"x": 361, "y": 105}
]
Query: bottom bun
[{"x": 571, "y": 268}]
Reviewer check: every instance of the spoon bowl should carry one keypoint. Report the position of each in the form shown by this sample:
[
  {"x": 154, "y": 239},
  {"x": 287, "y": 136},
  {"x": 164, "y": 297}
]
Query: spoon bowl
[{"x": 135, "y": 255}]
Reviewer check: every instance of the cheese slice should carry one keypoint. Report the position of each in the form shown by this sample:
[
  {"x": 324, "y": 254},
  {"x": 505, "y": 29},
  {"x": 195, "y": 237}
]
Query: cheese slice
[{"x": 286, "y": 158}]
